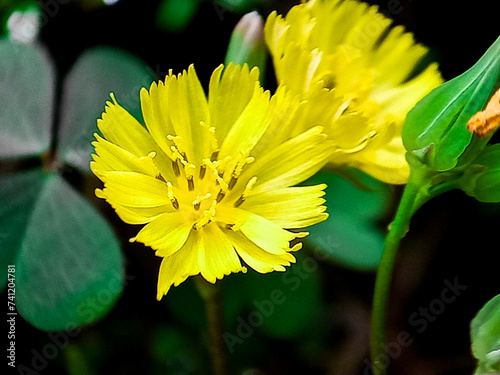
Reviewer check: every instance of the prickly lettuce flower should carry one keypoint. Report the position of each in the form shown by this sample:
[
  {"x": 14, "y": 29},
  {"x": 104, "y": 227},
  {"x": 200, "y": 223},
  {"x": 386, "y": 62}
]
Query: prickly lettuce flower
[
  {"x": 211, "y": 179},
  {"x": 357, "y": 74}
]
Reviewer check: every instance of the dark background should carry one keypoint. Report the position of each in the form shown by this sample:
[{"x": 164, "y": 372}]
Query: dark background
[{"x": 451, "y": 237}]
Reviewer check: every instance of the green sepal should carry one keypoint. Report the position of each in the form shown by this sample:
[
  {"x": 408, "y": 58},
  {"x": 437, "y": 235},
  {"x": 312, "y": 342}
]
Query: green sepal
[
  {"x": 485, "y": 337},
  {"x": 435, "y": 132},
  {"x": 481, "y": 180}
]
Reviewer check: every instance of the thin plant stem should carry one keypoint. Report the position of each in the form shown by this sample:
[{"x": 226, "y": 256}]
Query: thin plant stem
[
  {"x": 213, "y": 302},
  {"x": 410, "y": 201}
]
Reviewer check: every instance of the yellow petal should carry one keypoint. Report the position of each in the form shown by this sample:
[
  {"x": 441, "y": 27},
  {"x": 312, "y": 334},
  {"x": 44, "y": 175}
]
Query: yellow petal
[
  {"x": 135, "y": 189},
  {"x": 139, "y": 215},
  {"x": 110, "y": 157},
  {"x": 289, "y": 163},
  {"x": 217, "y": 256},
  {"x": 248, "y": 128},
  {"x": 229, "y": 95},
  {"x": 257, "y": 258},
  {"x": 176, "y": 268},
  {"x": 166, "y": 234},
  {"x": 293, "y": 207},
  {"x": 121, "y": 128},
  {"x": 264, "y": 233},
  {"x": 156, "y": 113},
  {"x": 188, "y": 109}
]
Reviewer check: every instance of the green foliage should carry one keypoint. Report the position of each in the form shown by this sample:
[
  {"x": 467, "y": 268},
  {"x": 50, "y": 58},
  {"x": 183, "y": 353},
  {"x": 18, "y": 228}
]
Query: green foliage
[
  {"x": 482, "y": 179},
  {"x": 435, "y": 132},
  {"x": 350, "y": 236},
  {"x": 284, "y": 304},
  {"x": 95, "y": 74},
  {"x": 15, "y": 212},
  {"x": 485, "y": 336},
  {"x": 175, "y": 15},
  {"x": 69, "y": 267},
  {"x": 27, "y": 88}
]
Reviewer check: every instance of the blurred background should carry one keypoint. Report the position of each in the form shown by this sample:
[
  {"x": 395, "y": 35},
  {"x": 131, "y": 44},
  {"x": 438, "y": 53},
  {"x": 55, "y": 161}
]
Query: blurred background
[{"x": 322, "y": 326}]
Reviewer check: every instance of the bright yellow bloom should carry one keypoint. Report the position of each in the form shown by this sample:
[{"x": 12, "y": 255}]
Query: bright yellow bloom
[
  {"x": 211, "y": 179},
  {"x": 356, "y": 73}
]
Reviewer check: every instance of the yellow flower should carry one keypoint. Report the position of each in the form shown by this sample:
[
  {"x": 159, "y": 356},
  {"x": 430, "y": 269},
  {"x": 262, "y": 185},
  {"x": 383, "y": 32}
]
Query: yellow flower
[
  {"x": 211, "y": 179},
  {"x": 357, "y": 74}
]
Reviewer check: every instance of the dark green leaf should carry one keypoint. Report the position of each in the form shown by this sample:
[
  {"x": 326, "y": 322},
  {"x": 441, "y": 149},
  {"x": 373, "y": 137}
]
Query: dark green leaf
[
  {"x": 284, "y": 304},
  {"x": 95, "y": 74},
  {"x": 186, "y": 304},
  {"x": 485, "y": 336},
  {"x": 435, "y": 132},
  {"x": 26, "y": 99},
  {"x": 18, "y": 195},
  {"x": 350, "y": 235},
  {"x": 69, "y": 271}
]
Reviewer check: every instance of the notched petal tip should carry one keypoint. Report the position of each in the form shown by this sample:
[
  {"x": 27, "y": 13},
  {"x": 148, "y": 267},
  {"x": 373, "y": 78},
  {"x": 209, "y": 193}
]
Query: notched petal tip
[{"x": 99, "y": 193}]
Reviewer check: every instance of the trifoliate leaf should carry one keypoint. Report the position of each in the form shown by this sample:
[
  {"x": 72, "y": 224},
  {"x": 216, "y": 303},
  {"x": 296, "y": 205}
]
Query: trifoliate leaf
[
  {"x": 69, "y": 270},
  {"x": 26, "y": 99},
  {"x": 96, "y": 74},
  {"x": 18, "y": 194}
]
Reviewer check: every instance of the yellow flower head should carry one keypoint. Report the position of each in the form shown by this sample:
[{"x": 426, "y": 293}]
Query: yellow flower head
[
  {"x": 356, "y": 73},
  {"x": 211, "y": 179}
]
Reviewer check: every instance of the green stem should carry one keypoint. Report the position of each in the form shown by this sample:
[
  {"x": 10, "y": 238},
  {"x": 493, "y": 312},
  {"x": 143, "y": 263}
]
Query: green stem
[
  {"x": 212, "y": 296},
  {"x": 410, "y": 202}
]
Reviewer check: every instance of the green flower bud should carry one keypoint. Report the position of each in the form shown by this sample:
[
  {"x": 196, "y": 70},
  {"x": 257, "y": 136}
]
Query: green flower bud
[
  {"x": 435, "y": 132},
  {"x": 247, "y": 43}
]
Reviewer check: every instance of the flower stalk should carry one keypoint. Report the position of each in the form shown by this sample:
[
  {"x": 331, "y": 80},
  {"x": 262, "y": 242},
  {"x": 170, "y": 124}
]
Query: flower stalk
[{"x": 213, "y": 302}]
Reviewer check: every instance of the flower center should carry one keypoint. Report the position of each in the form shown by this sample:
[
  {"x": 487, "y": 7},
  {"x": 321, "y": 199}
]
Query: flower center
[{"x": 197, "y": 190}]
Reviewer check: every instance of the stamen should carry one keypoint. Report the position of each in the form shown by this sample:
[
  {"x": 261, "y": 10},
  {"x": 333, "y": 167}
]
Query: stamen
[
  {"x": 238, "y": 169},
  {"x": 208, "y": 216},
  {"x": 232, "y": 182},
  {"x": 246, "y": 192},
  {"x": 197, "y": 201},
  {"x": 175, "y": 167},
  {"x": 342, "y": 109},
  {"x": 188, "y": 170},
  {"x": 362, "y": 144},
  {"x": 211, "y": 135},
  {"x": 221, "y": 195},
  {"x": 160, "y": 177},
  {"x": 213, "y": 166},
  {"x": 190, "y": 183},
  {"x": 171, "y": 196},
  {"x": 203, "y": 170}
]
